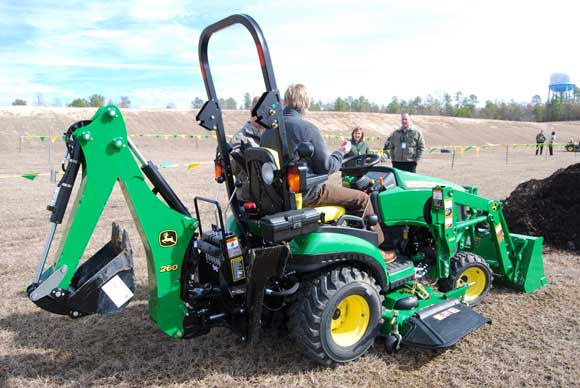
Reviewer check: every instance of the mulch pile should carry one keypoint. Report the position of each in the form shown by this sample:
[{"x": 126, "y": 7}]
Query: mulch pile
[{"x": 549, "y": 207}]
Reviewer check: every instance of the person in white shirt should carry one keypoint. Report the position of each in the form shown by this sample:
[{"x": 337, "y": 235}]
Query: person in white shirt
[{"x": 551, "y": 144}]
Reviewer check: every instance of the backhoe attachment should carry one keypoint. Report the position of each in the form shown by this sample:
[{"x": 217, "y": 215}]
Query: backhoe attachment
[{"x": 100, "y": 152}]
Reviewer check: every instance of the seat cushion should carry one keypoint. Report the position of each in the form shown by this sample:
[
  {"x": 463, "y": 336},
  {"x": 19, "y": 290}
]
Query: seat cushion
[{"x": 331, "y": 213}]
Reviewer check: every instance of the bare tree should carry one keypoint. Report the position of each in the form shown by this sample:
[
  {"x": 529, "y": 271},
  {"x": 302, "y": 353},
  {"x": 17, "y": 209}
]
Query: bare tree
[
  {"x": 125, "y": 102},
  {"x": 96, "y": 100},
  {"x": 197, "y": 103}
]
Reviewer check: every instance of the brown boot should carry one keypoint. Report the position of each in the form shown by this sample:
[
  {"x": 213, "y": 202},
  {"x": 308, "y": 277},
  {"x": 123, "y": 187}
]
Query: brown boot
[{"x": 388, "y": 256}]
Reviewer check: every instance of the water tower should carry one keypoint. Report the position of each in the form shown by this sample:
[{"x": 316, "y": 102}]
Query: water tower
[{"x": 561, "y": 88}]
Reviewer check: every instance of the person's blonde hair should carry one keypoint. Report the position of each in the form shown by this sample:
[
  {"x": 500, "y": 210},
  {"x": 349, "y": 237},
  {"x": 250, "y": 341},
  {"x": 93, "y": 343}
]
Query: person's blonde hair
[{"x": 296, "y": 97}]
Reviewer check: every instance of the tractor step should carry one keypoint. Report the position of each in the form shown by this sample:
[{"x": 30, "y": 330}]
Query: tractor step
[
  {"x": 400, "y": 271},
  {"x": 442, "y": 325}
]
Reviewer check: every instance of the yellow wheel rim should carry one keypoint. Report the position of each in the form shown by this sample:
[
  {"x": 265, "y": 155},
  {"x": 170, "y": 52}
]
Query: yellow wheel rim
[
  {"x": 474, "y": 276},
  {"x": 570, "y": 149},
  {"x": 350, "y": 320}
]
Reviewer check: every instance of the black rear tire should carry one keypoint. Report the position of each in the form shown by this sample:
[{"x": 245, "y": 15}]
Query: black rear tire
[
  {"x": 336, "y": 317},
  {"x": 467, "y": 267}
]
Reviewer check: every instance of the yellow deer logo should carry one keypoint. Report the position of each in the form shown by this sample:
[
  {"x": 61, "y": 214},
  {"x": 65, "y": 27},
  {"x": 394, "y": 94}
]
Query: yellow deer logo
[{"x": 168, "y": 238}]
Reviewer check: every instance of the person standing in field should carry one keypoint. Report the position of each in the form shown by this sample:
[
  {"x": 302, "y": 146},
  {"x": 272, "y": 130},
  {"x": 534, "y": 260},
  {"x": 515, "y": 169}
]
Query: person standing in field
[
  {"x": 540, "y": 140},
  {"x": 358, "y": 145},
  {"x": 407, "y": 145},
  {"x": 551, "y": 143}
]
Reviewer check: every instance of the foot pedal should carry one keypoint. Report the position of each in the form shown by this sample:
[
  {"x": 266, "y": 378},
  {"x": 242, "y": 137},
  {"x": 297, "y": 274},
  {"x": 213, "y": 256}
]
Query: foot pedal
[{"x": 442, "y": 325}]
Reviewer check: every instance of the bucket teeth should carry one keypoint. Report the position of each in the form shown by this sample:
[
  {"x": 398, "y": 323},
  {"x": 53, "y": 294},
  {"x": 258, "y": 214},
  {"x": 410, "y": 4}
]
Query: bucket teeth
[{"x": 120, "y": 239}]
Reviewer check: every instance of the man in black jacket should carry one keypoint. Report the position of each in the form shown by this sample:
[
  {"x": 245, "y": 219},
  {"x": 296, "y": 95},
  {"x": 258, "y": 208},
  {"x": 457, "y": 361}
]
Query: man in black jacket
[
  {"x": 540, "y": 140},
  {"x": 298, "y": 130}
]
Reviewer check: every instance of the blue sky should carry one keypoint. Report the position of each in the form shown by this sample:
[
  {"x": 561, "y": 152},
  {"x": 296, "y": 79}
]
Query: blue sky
[{"x": 147, "y": 50}]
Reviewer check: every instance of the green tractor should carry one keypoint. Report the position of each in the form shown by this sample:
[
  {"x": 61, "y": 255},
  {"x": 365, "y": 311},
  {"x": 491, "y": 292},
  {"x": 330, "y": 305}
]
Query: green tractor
[
  {"x": 318, "y": 271},
  {"x": 572, "y": 147}
]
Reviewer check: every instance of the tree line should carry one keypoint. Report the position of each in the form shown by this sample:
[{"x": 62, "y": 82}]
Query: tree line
[
  {"x": 95, "y": 100},
  {"x": 456, "y": 105},
  {"x": 461, "y": 105}
]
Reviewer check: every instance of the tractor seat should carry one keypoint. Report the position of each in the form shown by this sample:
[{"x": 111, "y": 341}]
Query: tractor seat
[
  {"x": 268, "y": 197},
  {"x": 331, "y": 213}
]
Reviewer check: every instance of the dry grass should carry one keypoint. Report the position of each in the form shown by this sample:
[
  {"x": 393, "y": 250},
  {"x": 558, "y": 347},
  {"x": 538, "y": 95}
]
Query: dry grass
[{"x": 533, "y": 341}]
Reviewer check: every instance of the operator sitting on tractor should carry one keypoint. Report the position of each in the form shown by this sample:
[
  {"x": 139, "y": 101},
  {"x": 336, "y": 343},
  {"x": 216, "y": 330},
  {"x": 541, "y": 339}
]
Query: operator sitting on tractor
[
  {"x": 249, "y": 135},
  {"x": 298, "y": 130}
]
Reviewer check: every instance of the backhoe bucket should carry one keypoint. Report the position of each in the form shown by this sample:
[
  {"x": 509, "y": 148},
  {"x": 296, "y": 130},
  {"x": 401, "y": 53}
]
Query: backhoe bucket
[
  {"x": 529, "y": 269},
  {"x": 104, "y": 284}
]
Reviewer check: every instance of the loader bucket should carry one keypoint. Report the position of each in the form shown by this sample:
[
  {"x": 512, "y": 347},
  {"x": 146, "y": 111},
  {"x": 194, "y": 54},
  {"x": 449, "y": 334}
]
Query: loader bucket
[
  {"x": 104, "y": 284},
  {"x": 529, "y": 269}
]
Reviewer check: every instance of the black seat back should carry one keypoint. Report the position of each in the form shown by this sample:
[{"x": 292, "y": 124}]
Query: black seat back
[{"x": 268, "y": 197}]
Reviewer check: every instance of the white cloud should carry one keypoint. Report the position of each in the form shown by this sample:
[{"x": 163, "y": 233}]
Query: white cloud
[
  {"x": 154, "y": 10},
  {"x": 17, "y": 83},
  {"x": 379, "y": 49},
  {"x": 160, "y": 98}
]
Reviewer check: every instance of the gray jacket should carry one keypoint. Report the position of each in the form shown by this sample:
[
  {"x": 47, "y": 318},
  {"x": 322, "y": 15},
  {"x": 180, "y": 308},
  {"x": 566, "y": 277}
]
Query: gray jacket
[
  {"x": 250, "y": 136},
  {"x": 407, "y": 146},
  {"x": 299, "y": 130}
]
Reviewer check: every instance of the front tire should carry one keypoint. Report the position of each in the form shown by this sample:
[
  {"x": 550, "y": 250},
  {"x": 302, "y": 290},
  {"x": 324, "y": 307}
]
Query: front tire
[
  {"x": 466, "y": 268},
  {"x": 570, "y": 148},
  {"x": 336, "y": 317}
]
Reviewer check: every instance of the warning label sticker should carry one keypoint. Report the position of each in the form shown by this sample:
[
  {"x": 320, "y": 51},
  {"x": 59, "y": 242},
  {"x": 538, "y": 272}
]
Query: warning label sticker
[
  {"x": 233, "y": 247},
  {"x": 446, "y": 313},
  {"x": 117, "y": 291},
  {"x": 448, "y": 213},
  {"x": 499, "y": 233},
  {"x": 238, "y": 270}
]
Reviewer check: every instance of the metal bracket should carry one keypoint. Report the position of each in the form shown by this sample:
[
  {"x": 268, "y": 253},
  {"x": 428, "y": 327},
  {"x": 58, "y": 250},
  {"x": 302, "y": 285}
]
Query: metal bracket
[
  {"x": 209, "y": 115},
  {"x": 268, "y": 110},
  {"x": 49, "y": 284}
]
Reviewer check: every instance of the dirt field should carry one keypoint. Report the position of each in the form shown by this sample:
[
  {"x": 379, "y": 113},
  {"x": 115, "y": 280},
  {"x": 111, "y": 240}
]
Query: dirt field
[{"x": 533, "y": 342}]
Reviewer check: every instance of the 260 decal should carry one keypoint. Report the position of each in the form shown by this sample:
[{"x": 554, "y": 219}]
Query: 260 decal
[{"x": 169, "y": 268}]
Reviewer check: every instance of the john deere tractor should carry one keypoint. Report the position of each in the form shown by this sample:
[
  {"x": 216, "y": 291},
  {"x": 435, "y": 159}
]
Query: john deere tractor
[
  {"x": 572, "y": 147},
  {"x": 319, "y": 269}
]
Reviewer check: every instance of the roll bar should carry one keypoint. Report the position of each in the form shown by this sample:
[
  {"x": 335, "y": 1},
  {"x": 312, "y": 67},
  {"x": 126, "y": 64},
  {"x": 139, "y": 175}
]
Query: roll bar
[{"x": 268, "y": 110}]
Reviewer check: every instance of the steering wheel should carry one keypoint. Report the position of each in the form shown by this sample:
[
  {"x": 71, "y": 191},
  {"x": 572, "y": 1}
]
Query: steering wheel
[{"x": 359, "y": 164}]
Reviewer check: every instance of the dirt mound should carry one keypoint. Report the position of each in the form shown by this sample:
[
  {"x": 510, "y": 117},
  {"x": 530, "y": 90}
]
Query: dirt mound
[{"x": 549, "y": 208}]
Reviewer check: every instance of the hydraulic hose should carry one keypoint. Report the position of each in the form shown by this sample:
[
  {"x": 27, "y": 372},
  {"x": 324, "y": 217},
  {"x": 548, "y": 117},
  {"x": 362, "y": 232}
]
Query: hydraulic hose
[
  {"x": 292, "y": 290},
  {"x": 66, "y": 184}
]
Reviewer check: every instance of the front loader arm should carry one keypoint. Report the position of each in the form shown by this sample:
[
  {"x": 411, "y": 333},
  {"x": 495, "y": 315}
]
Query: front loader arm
[
  {"x": 480, "y": 227},
  {"x": 166, "y": 232}
]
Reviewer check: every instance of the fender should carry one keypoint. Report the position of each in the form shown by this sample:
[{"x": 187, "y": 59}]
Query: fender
[{"x": 322, "y": 249}]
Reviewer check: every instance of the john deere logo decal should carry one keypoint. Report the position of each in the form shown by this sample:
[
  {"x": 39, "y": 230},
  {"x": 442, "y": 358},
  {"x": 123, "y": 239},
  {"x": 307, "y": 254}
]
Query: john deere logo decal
[{"x": 168, "y": 238}]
